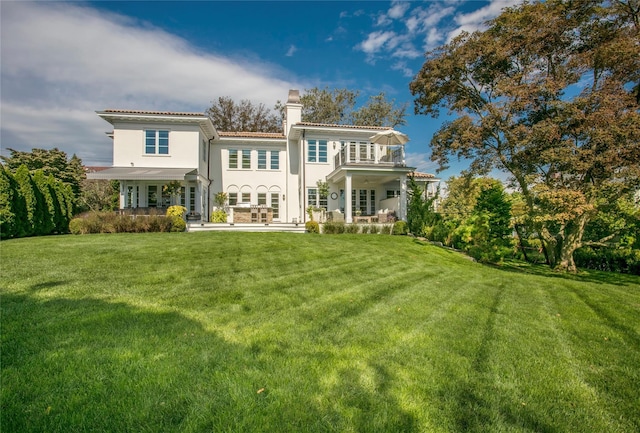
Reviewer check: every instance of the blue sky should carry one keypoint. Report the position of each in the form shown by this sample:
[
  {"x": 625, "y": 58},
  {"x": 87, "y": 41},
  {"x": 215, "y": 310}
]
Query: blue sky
[{"x": 62, "y": 61}]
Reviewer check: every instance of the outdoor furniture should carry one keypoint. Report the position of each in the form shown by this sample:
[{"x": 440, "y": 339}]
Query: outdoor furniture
[
  {"x": 335, "y": 216},
  {"x": 194, "y": 216},
  {"x": 366, "y": 219}
]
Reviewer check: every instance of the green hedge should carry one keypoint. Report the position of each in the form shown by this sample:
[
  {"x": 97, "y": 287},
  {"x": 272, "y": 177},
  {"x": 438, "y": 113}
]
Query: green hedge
[
  {"x": 33, "y": 204},
  {"x": 110, "y": 222},
  {"x": 623, "y": 260}
]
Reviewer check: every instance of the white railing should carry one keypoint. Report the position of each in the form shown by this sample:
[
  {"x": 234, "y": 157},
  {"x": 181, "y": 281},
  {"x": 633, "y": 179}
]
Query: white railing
[{"x": 370, "y": 154}]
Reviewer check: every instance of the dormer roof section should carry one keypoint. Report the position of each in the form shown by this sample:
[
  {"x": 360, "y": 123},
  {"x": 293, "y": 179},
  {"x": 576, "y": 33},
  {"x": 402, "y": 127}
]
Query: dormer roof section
[{"x": 161, "y": 117}]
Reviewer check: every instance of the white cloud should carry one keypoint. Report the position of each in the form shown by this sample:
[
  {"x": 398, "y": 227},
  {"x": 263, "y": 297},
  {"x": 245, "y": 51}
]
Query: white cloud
[
  {"x": 476, "y": 20},
  {"x": 434, "y": 38},
  {"x": 422, "y": 20},
  {"x": 402, "y": 67},
  {"x": 376, "y": 41},
  {"x": 421, "y": 161},
  {"x": 291, "y": 51},
  {"x": 60, "y": 62},
  {"x": 398, "y": 9}
]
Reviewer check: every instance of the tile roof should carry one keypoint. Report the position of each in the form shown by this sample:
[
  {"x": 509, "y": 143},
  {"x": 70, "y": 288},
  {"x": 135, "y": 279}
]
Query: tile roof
[
  {"x": 244, "y": 134},
  {"x": 330, "y": 125},
  {"x": 163, "y": 113},
  {"x": 419, "y": 175}
]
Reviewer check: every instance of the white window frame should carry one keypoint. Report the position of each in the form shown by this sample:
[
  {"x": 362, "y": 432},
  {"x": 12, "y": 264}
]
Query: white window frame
[
  {"x": 314, "y": 148},
  {"x": 156, "y": 142}
]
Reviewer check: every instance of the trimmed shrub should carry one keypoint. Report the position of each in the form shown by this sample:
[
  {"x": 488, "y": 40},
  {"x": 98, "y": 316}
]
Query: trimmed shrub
[
  {"x": 218, "y": 216},
  {"x": 177, "y": 211},
  {"x": 110, "y": 222},
  {"x": 352, "y": 228},
  {"x": 374, "y": 229},
  {"x": 385, "y": 229},
  {"x": 77, "y": 226},
  {"x": 178, "y": 224},
  {"x": 312, "y": 227},
  {"x": 364, "y": 229},
  {"x": 333, "y": 228},
  {"x": 400, "y": 228}
]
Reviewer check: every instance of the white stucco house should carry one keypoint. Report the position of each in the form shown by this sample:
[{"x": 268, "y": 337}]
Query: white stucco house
[{"x": 279, "y": 171}]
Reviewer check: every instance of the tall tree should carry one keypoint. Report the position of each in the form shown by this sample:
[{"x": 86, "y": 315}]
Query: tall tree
[
  {"x": 380, "y": 112},
  {"x": 229, "y": 116},
  {"x": 548, "y": 93},
  {"x": 337, "y": 107},
  {"x": 332, "y": 107},
  {"x": 52, "y": 162},
  {"x": 462, "y": 195}
]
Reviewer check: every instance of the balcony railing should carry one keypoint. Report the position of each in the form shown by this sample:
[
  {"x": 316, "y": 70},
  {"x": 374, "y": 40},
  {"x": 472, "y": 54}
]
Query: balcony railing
[{"x": 370, "y": 154}]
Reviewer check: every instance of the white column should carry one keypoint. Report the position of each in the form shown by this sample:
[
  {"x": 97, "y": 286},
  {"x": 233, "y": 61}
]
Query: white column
[
  {"x": 123, "y": 195},
  {"x": 403, "y": 198},
  {"x": 347, "y": 199}
]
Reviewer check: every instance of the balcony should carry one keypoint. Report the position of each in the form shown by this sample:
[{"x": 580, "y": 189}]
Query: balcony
[{"x": 369, "y": 154}]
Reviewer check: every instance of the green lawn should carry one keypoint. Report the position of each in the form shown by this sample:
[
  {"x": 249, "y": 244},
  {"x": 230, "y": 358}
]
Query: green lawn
[{"x": 275, "y": 332}]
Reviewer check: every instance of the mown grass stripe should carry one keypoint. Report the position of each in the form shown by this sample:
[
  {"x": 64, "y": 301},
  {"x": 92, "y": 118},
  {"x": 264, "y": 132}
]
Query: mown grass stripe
[{"x": 180, "y": 332}]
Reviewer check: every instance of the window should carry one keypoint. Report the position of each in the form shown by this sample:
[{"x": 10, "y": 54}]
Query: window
[
  {"x": 233, "y": 158},
  {"x": 275, "y": 204},
  {"x": 246, "y": 197},
  {"x": 156, "y": 142},
  {"x": 233, "y": 198},
  {"x": 192, "y": 198},
  {"x": 312, "y": 197},
  {"x": 393, "y": 193},
  {"x": 246, "y": 158},
  {"x": 315, "y": 199},
  {"x": 363, "y": 201},
  {"x": 182, "y": 196},
  {"x": 133, "y": 196},
  {"x": 322, "y": 151},
  {"x": 275, "y": 160},
  {"x": 262, "y": 198},
  {"x": 317, "y": 151},
  {"x": 152, "y": 196},
  {"x": 262, "y": 159}
]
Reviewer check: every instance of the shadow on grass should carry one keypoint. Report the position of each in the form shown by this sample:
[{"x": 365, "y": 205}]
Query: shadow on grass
[
  {"x": 480, "y": 406},
  {"x": 86, "y": 364}
]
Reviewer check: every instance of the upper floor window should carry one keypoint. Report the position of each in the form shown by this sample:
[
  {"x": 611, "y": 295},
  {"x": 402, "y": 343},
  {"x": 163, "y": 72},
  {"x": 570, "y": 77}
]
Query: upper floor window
[
  {"x": 246, "y": 158},
  {"x": 156, "y": 142},
  {"x": 233, "y": 158},
  {"x": 317, "y": 151},
  {"x": 262, "y": 159},
  {"x": 268, "y": 161}
]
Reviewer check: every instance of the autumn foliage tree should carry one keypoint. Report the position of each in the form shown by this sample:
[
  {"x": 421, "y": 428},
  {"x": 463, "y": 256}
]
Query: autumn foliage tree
[{"x": 549, "y": 93}]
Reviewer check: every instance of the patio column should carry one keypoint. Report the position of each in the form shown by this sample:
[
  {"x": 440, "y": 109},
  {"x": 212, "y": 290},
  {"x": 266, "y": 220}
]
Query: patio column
[
  {"x": 123, "y": 195},
  {"x": 403, "y": 198},
  {"x": 134, "y": 195},
  {"x": 348, "y": 217}
]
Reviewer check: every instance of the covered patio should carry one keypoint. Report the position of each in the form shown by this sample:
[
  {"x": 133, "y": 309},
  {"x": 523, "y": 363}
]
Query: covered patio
[{"x": 145, "y": 189}]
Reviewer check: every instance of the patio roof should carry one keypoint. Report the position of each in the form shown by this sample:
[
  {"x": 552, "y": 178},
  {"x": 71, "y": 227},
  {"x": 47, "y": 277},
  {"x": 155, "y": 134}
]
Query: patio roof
[{"x": 141, "y": 173}]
